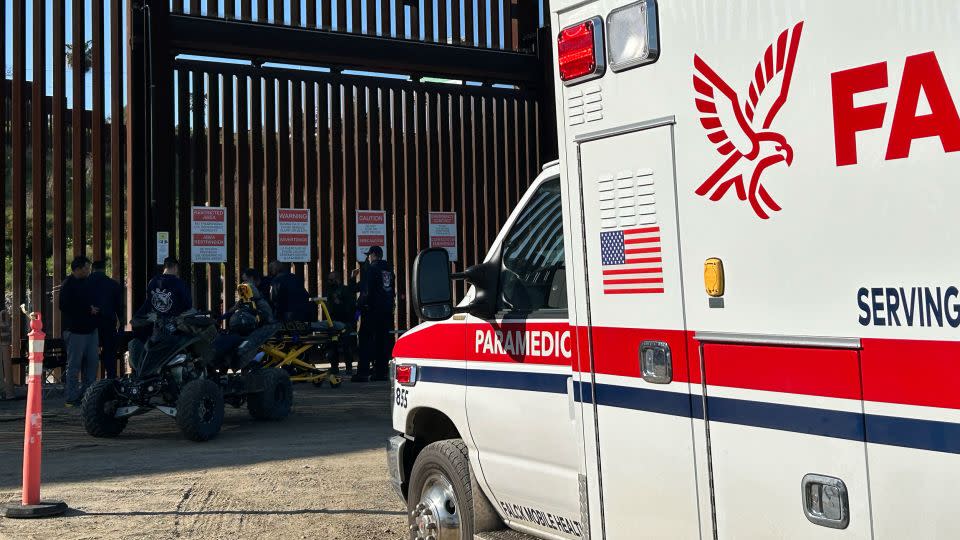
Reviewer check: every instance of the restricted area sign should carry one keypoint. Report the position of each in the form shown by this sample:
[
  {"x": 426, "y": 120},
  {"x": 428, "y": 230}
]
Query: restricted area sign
[
  {"x": 293, "y": 235},
  {"x": 208, "y": 234},
  {"x": 371, "y": 231},
  {"x": 443, "y": 232}
]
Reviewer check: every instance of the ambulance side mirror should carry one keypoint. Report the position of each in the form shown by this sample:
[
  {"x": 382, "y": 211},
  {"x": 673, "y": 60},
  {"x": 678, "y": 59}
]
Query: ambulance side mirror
[
  {"x": 485, "y": 279},
  {"x": 432, "y": 290}
]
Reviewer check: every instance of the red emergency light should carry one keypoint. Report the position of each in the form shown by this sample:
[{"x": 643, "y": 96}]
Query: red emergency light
[
  {"x": 406, "y": 374},
  {"x": 580, "y": 51}
]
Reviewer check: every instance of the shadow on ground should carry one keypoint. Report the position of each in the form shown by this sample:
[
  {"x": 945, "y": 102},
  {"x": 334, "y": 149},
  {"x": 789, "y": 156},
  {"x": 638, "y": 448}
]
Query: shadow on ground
[{"x": 325, "y": 421}]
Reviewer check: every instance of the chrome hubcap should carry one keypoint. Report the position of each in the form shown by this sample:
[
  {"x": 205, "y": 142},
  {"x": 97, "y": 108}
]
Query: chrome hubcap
[{"x": 437, "y": 514}]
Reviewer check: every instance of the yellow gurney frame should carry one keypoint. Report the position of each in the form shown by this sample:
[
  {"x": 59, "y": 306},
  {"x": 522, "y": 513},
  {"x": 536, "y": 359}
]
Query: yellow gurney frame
[{"x": 290, "y": 346}]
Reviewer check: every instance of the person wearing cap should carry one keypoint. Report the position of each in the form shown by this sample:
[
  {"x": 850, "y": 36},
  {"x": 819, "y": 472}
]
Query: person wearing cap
[
  {"x": 376, "y": 303},
  {"x": 167, "y": 294}
]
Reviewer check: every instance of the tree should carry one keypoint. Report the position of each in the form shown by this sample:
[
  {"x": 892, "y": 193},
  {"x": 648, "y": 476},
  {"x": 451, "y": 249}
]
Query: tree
[
  {"x": 198, "y": 104},
  {"x": 87, "y": 55}
]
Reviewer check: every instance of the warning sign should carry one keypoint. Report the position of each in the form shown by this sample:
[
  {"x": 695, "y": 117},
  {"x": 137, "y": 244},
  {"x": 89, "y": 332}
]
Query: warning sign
[
  {"x": 443, "y": 232},
  {"x": 371, "y": 231},
  {"x": 293, "y": 235},
  {"x": 208, "y": 234}
]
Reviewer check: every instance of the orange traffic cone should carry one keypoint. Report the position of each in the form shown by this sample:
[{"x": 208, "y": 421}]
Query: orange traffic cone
[{"x": 31, "y": 506}]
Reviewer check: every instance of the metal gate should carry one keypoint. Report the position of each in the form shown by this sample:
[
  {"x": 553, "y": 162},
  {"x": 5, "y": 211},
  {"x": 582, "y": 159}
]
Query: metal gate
[
  {"x": 151, "y": 131},
  {"x": 334, "y": 143}
]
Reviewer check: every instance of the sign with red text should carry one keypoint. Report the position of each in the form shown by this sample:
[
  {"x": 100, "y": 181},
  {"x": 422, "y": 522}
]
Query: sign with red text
[
  {"x": 443, "y": 232},
  {"x": 371, "y": 231},
  {"x": 208, "y": 234},
  {"x": 293, "y": 235}
]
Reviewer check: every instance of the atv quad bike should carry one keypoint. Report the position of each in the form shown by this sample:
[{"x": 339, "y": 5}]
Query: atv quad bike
[{"x": 188, "y": 371}]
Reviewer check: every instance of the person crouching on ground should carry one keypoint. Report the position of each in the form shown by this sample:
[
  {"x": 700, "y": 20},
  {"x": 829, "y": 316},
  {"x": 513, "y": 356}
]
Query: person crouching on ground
[{"x": 80, "y": 321}]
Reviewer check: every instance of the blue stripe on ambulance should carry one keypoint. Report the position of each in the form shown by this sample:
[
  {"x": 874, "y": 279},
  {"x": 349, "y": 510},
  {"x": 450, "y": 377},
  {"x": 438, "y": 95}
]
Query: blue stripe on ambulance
[{"x": 888, "y": 430}]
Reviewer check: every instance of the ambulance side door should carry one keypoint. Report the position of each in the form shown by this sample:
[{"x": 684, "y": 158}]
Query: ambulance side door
[
  {"x": 519, "y": 377},
  {"x": 641, "y": 388}
]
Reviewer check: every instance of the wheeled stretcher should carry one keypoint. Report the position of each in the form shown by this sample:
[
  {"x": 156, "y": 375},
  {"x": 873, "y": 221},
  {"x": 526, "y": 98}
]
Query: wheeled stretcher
[{"x": 294, "y": 344}]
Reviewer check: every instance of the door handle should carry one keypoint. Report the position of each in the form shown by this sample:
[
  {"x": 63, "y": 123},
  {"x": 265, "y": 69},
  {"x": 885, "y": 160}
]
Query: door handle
[
  {"x": 656, "y": 363},
  {"x": 825, "y": 501}
]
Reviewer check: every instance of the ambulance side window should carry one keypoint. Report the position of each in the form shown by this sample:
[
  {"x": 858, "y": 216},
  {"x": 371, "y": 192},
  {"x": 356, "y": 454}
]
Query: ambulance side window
[{"x": 532, "y": 275}]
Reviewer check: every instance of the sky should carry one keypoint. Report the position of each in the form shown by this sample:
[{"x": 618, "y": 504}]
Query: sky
[{"x": 110, "y": 69}]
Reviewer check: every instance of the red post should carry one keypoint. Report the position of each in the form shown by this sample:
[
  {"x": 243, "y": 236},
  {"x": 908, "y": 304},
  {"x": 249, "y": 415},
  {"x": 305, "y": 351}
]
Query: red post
[
  {"x": 33, "y": 432},
  {"x": 31, "y": 505}
]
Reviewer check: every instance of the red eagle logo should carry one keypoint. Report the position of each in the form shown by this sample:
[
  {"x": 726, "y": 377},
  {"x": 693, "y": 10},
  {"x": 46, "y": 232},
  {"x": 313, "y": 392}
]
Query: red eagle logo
[{"x": 750, "y": 146}]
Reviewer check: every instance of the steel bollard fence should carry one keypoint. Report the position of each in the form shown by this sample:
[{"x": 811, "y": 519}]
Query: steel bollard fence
[{"x": 6, "y": 366}]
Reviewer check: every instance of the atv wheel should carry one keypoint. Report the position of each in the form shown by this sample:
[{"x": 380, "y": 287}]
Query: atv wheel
[
  {"x": 276, "y": 398},
  {"x": 200, "y": 410},
  {"x": 98, "y": 409}
]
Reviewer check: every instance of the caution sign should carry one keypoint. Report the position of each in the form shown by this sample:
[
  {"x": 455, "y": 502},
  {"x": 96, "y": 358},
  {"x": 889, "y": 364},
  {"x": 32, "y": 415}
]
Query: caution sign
[
  {"x": 371, "y": 231},
  {"x": 443, "y": 232},
  {"x": 208, "y": 234},
  {"x": 293, "y": 235}
]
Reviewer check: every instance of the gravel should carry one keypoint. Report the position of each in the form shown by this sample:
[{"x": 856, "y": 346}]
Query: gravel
[{"x": 319, "y": 474}]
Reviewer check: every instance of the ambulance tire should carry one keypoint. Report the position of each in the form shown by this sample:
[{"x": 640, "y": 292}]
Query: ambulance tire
[{"x": 443, "y": 468}]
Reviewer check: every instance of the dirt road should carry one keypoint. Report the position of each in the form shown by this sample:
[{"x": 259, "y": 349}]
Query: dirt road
[{"x": 319, "y": 474}]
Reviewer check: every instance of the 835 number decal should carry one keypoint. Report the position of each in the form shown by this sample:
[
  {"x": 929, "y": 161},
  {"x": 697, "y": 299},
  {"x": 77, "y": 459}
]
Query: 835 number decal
[{"x": 401, "y": 397}]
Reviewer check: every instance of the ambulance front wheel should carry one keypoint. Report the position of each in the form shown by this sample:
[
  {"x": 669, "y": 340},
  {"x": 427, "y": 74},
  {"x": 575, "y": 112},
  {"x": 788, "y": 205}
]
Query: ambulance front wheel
[{"x": 440, "y": 498}]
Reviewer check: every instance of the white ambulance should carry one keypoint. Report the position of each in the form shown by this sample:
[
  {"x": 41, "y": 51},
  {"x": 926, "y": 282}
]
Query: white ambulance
[{"x": 731, "y": 310}]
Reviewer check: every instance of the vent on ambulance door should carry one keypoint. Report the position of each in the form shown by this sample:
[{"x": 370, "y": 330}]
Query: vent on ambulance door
[
  {"x": 627, "y": 199},
  {"x": 584, "y": 104}
]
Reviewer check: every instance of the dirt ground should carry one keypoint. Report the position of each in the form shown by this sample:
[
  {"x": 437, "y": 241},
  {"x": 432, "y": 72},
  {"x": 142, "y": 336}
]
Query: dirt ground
[{"x": 319, "y": 474}]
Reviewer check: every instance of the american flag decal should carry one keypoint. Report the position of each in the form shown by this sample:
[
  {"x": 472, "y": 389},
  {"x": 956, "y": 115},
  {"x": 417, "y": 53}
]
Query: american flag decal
[{"x": 631, "y": 260}]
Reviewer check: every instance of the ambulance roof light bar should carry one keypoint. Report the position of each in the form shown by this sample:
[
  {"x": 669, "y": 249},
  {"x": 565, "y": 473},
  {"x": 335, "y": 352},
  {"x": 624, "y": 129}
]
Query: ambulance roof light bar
[
  {"x": 633, "y": 35},
  {"x": 580, "y": 51}
]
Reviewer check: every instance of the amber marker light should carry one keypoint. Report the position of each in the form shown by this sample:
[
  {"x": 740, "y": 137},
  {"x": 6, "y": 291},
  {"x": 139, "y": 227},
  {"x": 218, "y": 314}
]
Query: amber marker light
[{"x": 713, "y": 277}]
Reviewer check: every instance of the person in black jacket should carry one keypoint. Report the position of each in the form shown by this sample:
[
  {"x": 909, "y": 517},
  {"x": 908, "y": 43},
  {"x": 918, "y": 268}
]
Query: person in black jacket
[
  {"x": 108, "y": 296},
  {"x": 342, "y": 301},
  {"x": 167, "y": 294},
  {"x": 291, "y": 302},
  {"x": 377, "y": 300},
  {"x": 79, "y": 319},
  {"x": 259, "y": 282}
]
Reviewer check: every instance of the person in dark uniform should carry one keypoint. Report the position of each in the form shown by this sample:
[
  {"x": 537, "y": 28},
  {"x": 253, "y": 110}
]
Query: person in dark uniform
[
  {"x": 79, "y": 314},
  {"x": 342, "y": 302},
  {"x": 261, "y": 283},
  {"x": 291, "y": 302},
  {"x": 167, "y": 294},
  {"x": 108, "y": 296},
  {"x": 377, "y": 301}
]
